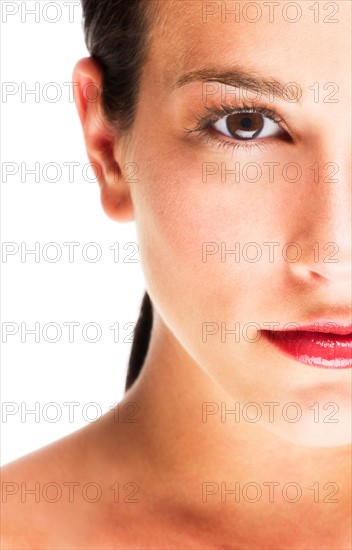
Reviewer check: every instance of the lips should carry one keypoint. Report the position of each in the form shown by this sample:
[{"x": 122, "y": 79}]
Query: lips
[{"x": 324, "y": 345}]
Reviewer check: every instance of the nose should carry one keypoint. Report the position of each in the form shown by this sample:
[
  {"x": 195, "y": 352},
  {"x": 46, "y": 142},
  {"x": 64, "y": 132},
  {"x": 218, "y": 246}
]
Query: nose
[{"x": 325, "y": 227}]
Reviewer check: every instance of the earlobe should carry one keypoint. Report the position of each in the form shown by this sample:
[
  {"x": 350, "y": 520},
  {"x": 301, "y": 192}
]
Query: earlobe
[
  {"x": 117, "y": 206},
  {"x": 101, "y": 138}
]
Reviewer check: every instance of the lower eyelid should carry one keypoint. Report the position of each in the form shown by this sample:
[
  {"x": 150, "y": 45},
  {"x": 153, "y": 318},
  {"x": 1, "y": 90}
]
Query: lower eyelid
[
  {"x": 228, "y": 144},
  {"x": 209, "y": 137}
]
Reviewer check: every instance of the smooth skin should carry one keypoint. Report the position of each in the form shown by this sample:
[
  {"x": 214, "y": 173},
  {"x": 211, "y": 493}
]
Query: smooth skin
[{"x": 179, "y": 463}]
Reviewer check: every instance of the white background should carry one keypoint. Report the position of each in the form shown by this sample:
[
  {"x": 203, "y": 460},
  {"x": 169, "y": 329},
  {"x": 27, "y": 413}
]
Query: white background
[{"x": 38, "y": 129}]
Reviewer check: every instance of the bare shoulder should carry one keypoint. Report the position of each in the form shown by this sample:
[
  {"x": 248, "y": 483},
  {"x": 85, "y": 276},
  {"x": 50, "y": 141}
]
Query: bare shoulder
[
  {"x": 62, "y": 494},
  {"x": 29, "y": 484},
  {"x": 91, "y": 489}
]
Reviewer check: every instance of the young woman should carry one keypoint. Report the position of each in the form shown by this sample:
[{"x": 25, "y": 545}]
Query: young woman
[{"x": 224, "y": 130}]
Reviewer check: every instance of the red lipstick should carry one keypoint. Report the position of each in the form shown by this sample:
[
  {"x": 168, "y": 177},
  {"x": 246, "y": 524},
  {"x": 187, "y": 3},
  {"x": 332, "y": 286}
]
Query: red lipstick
[{"x": 322, "y": 344}]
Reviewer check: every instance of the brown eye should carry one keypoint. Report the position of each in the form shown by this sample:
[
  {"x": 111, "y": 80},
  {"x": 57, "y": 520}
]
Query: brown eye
[{"x": 246, "y": 126}]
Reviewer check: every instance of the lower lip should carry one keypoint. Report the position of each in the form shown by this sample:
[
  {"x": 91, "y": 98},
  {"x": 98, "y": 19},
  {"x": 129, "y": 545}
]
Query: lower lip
[{"x": 317, "y": 349}]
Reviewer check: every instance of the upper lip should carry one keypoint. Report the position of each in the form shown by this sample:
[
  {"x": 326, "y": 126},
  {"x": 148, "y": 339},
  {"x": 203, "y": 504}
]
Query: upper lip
[{"x": 324, "y": 325}]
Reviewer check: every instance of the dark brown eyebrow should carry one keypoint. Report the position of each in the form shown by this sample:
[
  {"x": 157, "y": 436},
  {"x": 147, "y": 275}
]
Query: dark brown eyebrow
[{"x": 239, "y": 78}]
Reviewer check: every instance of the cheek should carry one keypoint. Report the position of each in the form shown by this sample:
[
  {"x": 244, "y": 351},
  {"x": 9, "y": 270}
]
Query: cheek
[
  {"x": 181, "y": 224},
  {"x": 171, "y": 227}
]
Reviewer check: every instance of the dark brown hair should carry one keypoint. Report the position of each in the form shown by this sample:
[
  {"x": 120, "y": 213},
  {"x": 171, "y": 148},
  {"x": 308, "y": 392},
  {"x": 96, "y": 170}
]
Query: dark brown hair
[{"x": 116, "y": 35}]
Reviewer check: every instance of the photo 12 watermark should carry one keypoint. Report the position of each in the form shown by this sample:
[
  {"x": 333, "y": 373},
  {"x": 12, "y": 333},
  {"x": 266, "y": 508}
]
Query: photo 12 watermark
[
  {"x": 269, "y": 491},
  {"x": 270, "y": 12},
  {"x": 28, "y": 11},
  {"x": 69, "y": 492},
  {"x": 253, "y": 252},
  {"x": 67, "y": 411}
]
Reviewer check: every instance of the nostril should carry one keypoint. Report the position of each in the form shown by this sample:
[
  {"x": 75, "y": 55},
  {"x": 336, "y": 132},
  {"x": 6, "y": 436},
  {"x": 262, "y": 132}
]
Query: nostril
[{"x": 318, "y": 277}]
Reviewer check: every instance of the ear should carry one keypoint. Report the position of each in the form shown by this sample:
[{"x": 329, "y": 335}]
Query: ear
[{"x": 101, "y": 141}]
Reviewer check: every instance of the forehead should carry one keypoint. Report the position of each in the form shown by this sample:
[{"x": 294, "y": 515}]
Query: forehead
[{"x": 298, "y": 41}]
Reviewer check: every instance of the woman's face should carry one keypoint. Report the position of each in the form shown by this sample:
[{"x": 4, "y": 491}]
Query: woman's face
[{"x": 238, "y": 236}]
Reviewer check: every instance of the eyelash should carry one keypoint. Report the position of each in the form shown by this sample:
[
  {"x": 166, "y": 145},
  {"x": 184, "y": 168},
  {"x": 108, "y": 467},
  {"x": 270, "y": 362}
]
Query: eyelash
[{"x": 214, "y": 115}]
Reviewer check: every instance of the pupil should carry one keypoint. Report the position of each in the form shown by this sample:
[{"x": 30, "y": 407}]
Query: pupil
[{"x": 246, "y": 123}]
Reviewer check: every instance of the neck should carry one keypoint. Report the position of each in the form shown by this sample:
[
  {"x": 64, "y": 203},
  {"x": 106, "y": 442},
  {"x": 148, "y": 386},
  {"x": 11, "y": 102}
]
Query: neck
[{"x": 215, "y": 459}]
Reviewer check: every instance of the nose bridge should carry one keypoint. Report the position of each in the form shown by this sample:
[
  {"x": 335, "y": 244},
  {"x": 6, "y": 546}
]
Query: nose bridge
[
  {"x": 330, "y": 196},
  {"x": 325, "y": 228}
]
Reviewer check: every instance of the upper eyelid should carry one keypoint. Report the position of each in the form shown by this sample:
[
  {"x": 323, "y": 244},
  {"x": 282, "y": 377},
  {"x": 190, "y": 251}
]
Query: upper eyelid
[
  {"x": 228, "y": 110},
  {"x": 267, "y": 113}
]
